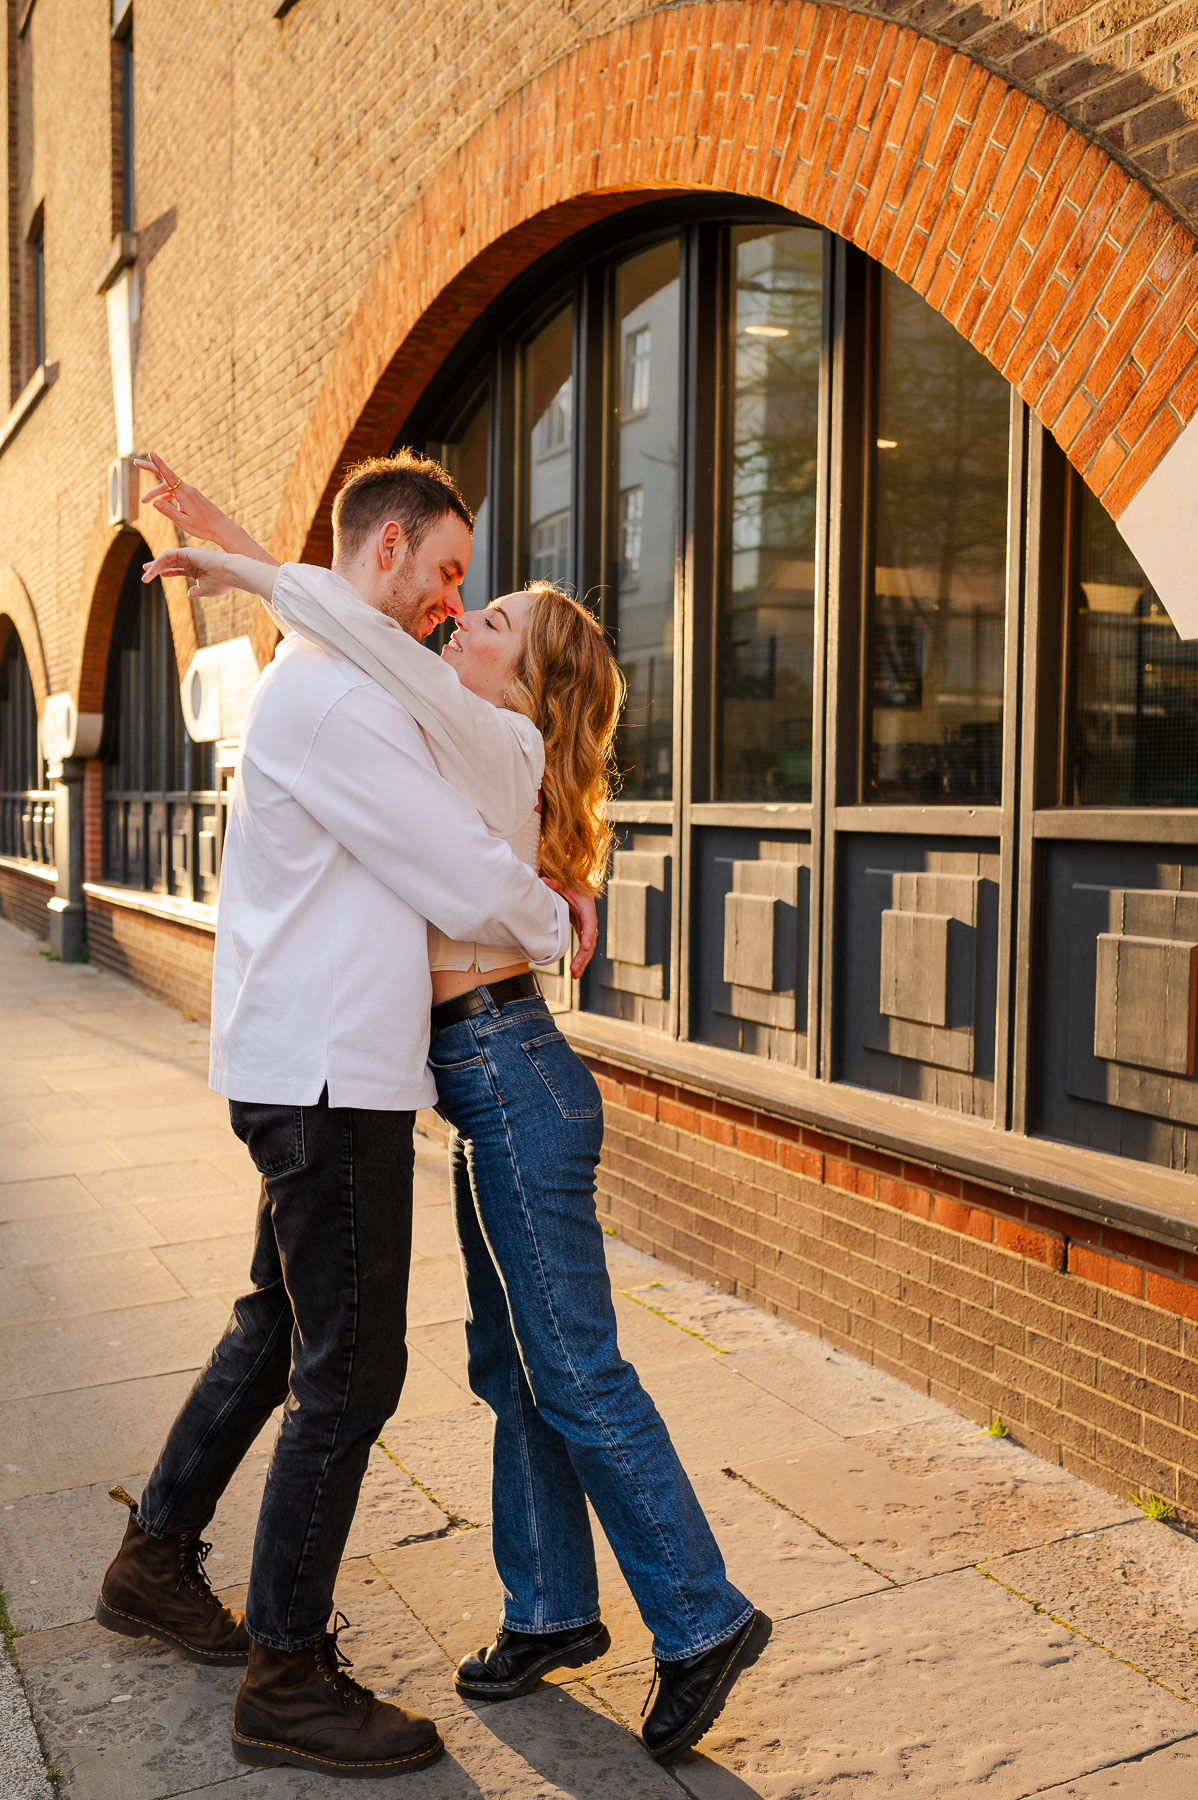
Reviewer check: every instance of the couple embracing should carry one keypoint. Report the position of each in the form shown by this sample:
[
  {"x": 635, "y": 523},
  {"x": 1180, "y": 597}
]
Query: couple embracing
[{"x": 380, "y": 905}]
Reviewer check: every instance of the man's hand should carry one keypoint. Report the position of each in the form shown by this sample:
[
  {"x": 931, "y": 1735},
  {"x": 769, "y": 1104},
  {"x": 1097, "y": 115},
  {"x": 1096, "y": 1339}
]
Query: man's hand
[
  {"x": 206, "y": 572},
  {"x": 584, "y": 919},
  {"x": 212, "y": 572}
]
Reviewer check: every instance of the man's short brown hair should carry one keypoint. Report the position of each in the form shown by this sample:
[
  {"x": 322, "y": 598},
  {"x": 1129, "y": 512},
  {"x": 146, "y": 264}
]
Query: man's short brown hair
[{"x": 411, "y": 489}]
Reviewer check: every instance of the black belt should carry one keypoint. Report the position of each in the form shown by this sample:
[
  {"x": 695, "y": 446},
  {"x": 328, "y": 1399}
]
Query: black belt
[{"x": 472, "y": 1002}]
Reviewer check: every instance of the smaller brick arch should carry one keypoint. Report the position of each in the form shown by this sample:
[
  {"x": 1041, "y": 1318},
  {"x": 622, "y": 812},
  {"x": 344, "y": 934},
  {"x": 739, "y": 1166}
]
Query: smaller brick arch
[
  {"x": 17, "y": 614},
  {"x": 110, "y": 555}
]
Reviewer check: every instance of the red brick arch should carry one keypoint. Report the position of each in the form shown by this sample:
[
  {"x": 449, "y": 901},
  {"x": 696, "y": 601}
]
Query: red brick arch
[
  {"x": 109, "y": 555},
  {"x": 1056, "y": 263},
  {"x": 17, "y": 614}
]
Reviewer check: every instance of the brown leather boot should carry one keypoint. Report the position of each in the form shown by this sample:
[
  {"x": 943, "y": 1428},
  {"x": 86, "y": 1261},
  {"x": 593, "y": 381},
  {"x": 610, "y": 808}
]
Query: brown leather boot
[
  {"x": 301, "y": 1706},
  {"x": 156, "y": 1587}
]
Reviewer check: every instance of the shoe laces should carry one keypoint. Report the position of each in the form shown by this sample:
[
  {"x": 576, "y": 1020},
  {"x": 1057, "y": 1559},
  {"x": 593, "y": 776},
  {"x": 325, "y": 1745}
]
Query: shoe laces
[
  {"x": 193, "y": 1554},
  {"x": 336, "y": 1672},
  {"x": 653, "y": 1687}
]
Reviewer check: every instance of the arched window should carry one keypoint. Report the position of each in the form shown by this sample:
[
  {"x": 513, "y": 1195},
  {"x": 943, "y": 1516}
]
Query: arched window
[
  {"x": 161, "y": 811},
  {"x": 910, "y": 744},
  {"x": 26, "y": 809}
]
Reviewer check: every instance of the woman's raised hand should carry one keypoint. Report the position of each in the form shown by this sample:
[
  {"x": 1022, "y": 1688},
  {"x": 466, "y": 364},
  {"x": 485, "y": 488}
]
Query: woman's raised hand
[
  {"x": 181, "y": 503},
  {"x": 206, "y": 572}
]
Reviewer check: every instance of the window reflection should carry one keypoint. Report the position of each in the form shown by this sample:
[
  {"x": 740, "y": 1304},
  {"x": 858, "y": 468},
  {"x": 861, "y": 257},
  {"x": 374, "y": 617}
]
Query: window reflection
[
  {"x": 547, "y": 375},
  {"x": 766, "y": 624},
  {"x": 938, "y": 581},
  {"x": 645, "y": 513},
  {"x": 465, "y": 456},
  {"x": 1133, "y": 728}
]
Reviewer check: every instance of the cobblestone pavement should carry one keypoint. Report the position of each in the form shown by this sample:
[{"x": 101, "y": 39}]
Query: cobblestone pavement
[{"x": 952, "y": 1614}]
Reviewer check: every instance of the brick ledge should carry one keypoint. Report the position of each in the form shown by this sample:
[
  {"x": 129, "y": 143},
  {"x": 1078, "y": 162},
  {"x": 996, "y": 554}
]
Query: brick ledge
[{"x": 1104, "y": 1190}]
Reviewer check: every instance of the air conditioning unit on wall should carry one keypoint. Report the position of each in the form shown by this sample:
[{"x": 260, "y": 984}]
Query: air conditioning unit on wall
[{"x": 124, "y": 495}]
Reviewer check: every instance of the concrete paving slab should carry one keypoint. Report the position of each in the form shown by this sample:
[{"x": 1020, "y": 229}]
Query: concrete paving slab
[
  {"x": 192, "y": 1219},
  {"x": 46, "y": 1106},
  {"x": 729, "y": 1324},
  {"x": 54, "y": 1441},
  {"x": 439, "y": 1294},
  {"x": 1170, "y": 1774},
  {"x": 432, "y": 1231},
  {"x": 843, "y": 1393},
  {"x": 647, "y": 1340},
  {"x": 428, "y": 1391},
  {"x": 212, "y": 1265},
  {"x": 450, "y": 1455},
  {"x": 944, "y": 1688},
  {"x": 443, "y": 1344},
  {"x": 132, "y": 1721},
  {"x": 779, "y": 1563},
  {"x": 54, "y": 1549},
  {"x": 161, "y": 1181},
  {"x": 1132, "y": 1588},
  {"x": 50, "y": 1159},
  {"x": 235, "y": 1165},
  {"x": 171, "y": 1146},
  {"x": 22, "y": 1766},
  {"x": 19, "y": 1134},
  {"x": 182, "y": 1114},
  {"x": 34, "y": 1240},
  {"x": 933, "y": 1496},
  {"x": 715, "y": 1417},
  {"x": 84, "y": 1286},
  {"x": 59, "y": 1355},
  {"x": 45, "y": 1199}
]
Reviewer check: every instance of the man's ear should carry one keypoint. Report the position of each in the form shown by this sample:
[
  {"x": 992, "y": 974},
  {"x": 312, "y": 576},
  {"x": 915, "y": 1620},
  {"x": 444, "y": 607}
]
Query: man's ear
[{"x": 391, "y": 544}]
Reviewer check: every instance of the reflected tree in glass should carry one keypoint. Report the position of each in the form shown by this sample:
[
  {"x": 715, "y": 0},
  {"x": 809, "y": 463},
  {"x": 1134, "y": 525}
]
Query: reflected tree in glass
[
  {"x": 547, "y": 409},
  {"x": 645, "y": 511},
  {"x": 1133, "y": 714},
  {"x": 938, "y": 577},
  {"x": 766, "y": 617}
]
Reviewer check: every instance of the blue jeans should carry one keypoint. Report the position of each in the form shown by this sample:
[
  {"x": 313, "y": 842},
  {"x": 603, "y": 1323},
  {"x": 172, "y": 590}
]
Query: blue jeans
[
  {"x": 572, "y": 1420},
  {"x": 321, "y": 1332}
]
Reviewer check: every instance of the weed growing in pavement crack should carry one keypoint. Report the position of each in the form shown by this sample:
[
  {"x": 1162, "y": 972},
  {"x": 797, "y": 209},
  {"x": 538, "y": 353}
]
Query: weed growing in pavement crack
[
  {"x": 8, "y": 1632},
  {"x": 1153, "y": 1506},
  {"x": 996, "y": 1428}
]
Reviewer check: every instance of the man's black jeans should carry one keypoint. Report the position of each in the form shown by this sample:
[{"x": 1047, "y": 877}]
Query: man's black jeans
[{"x": 322, "y": 1328}]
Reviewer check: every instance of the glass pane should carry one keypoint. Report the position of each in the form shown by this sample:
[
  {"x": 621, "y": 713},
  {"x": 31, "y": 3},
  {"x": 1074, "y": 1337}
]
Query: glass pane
[
  {"x": 548, "y": 412},
  {"x": 1133, "y": 729},
  {"x": 467, "y": 460},
  {"x": 939, "y": 571},
  {"x": 766, "y": 626},
  {"x": 645, "y": 512}
]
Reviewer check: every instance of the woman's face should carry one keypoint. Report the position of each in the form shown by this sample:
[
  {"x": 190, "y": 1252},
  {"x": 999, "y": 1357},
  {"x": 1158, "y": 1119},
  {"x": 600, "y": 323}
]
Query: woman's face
[{"x": 485, "y": 647}]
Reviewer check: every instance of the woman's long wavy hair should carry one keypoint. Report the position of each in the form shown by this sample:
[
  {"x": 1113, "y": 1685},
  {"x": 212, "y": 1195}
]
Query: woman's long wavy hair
[{"x": 569, "y": 684}]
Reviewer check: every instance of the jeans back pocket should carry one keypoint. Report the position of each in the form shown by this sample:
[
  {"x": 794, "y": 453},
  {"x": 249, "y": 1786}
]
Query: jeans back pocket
[
  {"x": 574, "y": 1088},
  {"x": 273, "y": 1135}
]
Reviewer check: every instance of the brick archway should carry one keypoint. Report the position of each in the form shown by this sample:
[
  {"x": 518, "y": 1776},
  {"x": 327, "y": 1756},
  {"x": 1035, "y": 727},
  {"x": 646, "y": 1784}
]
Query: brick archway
[
  {"x": 17, "y": 614},
  {"x": 110, "y": 554},
  {"x": 1056, "y": 263}
]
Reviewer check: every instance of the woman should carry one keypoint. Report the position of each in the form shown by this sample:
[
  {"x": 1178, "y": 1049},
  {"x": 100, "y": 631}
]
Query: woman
[{"x": 520, "y": 714}]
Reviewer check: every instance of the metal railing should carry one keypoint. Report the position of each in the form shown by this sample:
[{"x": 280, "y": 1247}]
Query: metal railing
[{"x": 27, "y": 826}]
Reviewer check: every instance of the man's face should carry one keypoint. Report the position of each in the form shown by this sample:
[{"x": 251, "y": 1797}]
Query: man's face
[{"x": 420, "y": 588}]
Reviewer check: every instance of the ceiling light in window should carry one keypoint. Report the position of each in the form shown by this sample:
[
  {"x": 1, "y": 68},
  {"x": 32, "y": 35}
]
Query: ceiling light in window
[
  {"x": 770, "y": 331},
  {"x": 887, "y": 443}
]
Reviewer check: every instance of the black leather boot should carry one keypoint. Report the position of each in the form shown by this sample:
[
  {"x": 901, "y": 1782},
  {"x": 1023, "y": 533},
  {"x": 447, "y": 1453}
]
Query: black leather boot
[
  {"x": 691, "y": 1691},
  {"x": 515, "y": 1662}
]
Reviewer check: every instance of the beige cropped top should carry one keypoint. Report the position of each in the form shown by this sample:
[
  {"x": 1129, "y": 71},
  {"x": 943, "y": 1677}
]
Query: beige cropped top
[{"x": 493, "y": 757}]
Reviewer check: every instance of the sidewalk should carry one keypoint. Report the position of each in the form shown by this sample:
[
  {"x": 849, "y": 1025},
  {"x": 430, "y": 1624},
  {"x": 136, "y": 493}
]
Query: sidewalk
[{"x": 952, "y": 1615}]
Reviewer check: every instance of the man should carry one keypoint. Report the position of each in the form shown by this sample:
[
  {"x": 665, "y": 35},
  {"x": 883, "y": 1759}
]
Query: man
[{"x": 342, "y": 841}]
